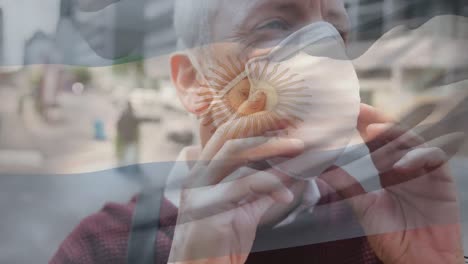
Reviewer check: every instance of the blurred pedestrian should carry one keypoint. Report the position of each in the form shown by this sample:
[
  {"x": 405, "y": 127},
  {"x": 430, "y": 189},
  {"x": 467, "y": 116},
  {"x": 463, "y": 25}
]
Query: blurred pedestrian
[
  {"x": 99, "y": 130},
  {"x": 127, "y": 137}
]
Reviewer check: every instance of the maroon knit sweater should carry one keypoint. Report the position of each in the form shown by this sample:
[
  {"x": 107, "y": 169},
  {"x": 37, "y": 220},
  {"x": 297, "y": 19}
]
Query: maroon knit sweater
[{"x": 103, "y": 238}]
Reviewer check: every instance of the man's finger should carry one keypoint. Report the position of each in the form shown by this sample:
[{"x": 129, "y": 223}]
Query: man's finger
[
  {"x": 260, "y": 183},
  {"x": 343, "y": 183},
  {"x": 421, "y": 158},
  {"x": 223, "y": 134},
  {"x": 260, "y": 207},
  {"x": 248, "y": 188},
  {"x": 350, "y": 189},
  {"x": 239, "y": 152},
  {"x": 391, "y": 144},
  {"x": 416, "y": 116},
  {"x": 380, "y": 134},
  {"x": 211, "y": 150},
  {"x": 449, "y": 143},
  {"x": 369, "y": 115},
  {"x": 453, "y": 121},
  {"x": 386, "y": 161},
  {"x": 208, "y": 178},
  {"x": 236, "y": 154}
]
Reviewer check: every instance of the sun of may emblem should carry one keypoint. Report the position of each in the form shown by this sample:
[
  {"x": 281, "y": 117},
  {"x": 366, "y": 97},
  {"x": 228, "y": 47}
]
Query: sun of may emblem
[{"x": 255, "y": 97}]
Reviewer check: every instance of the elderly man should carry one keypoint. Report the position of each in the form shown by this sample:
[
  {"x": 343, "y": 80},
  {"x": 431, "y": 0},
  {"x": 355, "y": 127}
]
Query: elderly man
[{"x": 231, "y": 207}]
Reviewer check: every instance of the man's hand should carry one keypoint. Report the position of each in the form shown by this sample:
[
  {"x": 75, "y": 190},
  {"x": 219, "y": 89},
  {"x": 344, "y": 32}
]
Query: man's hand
[
  {"x": 224, "y": 201},
  {"x": 415, "y": 217}
]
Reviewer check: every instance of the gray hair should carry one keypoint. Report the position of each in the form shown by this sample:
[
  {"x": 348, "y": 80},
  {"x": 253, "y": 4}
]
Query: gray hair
[{"x": 193, "y": 22}]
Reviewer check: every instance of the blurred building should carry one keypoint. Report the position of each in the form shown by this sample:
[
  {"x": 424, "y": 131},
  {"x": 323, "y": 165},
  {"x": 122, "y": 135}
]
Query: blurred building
[
  {"x": 160, "y": 39},
  {"x": 1, "y": 37},
  {"x": 115, "y": 31},
  {"x": 67, "y": 46},
  {"x": 80, "y": 35},
  {"x": 410, "y": 58},
  {"x": 397, "y": 52},
  {"x": 405, "y": 50},
  {"x": 121, "y": 32},
  {"x": 371, "y": 18},
  {"x": 40, "y": 49}
]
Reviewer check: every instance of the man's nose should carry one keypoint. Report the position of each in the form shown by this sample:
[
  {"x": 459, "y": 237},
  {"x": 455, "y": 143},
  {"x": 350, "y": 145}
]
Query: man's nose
[
  {"x": 315, "y": 8},
  {"x": 315, "y": 4},
  {"x": 310, "y": 10}
]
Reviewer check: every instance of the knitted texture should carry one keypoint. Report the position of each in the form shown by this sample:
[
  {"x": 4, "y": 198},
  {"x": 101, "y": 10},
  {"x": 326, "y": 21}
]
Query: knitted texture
[{"x": 103, "y": 237}]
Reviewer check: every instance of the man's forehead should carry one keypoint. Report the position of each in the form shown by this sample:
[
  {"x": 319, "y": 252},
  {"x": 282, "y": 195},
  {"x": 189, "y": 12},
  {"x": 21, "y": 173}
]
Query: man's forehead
[
  {"x": 231, "y": 14},
  {"x": 235, "y": 12},
  {"x": 243, "y": 7},
  {"x": 248, "y": 5}
]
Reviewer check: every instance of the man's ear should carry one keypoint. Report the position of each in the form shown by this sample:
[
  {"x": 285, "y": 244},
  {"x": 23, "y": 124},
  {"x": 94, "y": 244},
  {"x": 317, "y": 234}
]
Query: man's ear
[{"x": 184, "y": 77}]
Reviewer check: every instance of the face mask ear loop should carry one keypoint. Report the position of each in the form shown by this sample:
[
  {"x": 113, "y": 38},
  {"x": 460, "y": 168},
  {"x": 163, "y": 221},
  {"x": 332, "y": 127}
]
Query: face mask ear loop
[
  {"x": 195, "y": 63},
  {"x": 221, "y": 94},
  {"x": 228, "y": 87},
  {"x": 199, "y": 69},
  {"x": 315, "y": 32},
  {"x": 330, "y": 32},
  {"x": 316, "y": 28}
]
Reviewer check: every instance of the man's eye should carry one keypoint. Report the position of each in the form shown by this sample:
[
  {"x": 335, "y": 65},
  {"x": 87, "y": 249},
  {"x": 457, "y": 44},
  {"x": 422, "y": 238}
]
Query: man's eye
[{"x": 276, "y": 24}]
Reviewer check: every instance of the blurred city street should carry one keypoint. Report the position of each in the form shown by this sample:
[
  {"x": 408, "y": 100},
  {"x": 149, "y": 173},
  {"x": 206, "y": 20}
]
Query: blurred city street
[
  {"x": 67, "y": 144},
  {"x": 37, "y": 146},
  {"x": 43, "y": 210},
  {"x": 70, "y": 77},
  {"x": 64, "y": 174},
  {"x": 54, "y": 174}
]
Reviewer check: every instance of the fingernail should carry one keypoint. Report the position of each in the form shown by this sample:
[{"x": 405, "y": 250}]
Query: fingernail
[
  {"x": 296, "y": 143},
  {"x": 288, "y": 196},
  {"x": 284, "y": 195},
  {"x": 401, "y": 164}
]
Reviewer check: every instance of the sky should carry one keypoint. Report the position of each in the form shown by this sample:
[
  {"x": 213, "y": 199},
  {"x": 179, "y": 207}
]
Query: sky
[{"x": 21, "y": 19}]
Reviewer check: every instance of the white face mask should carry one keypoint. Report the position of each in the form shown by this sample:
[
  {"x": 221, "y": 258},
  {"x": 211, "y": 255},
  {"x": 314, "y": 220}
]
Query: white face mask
[{"x": 308, "y": 80}]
